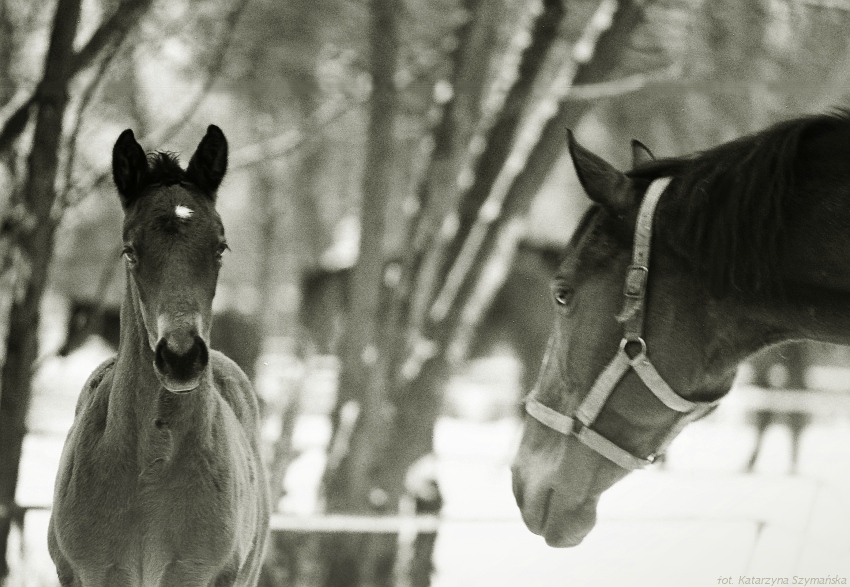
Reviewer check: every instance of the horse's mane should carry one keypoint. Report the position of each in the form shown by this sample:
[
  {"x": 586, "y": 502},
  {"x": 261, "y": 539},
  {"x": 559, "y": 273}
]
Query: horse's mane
[
  {"x": 732, "y": 202},
  {"x": 164, "y": 169}
]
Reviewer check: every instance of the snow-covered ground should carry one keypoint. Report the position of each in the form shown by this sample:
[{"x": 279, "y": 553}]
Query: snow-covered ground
[{"x": 697, "y": 522}]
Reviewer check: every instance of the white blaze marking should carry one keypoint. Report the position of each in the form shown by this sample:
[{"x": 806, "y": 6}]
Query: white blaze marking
[{"x": 183, "y": 212}]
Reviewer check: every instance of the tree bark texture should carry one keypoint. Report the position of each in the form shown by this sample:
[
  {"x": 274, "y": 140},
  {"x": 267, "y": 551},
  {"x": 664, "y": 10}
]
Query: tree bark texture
[
  {"x": 352, "y": 486},
  {"x": 397, "y": 413},
  {"x": 113, "y": 29},
  {"x": 607, "y": 54},
  {"x": 610, "y": 50},
  {"x": 7, "y": 36},
  {"x": 497, "y": 148},
  {"x": 397, "y": 429},
  {"x": 37, "y": 248}
]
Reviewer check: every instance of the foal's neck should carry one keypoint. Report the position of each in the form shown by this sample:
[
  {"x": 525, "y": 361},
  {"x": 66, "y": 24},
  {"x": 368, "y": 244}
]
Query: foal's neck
[{"x": 144, "y": 404}]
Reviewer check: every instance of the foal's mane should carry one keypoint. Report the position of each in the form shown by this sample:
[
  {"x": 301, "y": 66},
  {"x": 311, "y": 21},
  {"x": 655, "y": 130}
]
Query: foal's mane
[
  {"x": 731, "y": 202},
  {"x": 164, "y": 169}
]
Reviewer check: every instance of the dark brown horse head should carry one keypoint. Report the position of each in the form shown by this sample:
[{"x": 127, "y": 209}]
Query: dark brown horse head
[
  {"x": 741, "y": 232},
  {"x": 173, "y": 246},
  {"x": 558, "y": 479}
]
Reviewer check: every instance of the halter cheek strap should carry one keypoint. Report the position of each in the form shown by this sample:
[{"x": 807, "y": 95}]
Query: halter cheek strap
[{"x": 632, "y": 317}]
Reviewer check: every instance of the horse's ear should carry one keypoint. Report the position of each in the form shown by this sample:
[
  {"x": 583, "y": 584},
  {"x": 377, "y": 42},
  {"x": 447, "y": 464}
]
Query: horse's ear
[
  {"x": 640, "y": 154},
  {"x": 603, "y": 183},
  {"x": 209, "y": 163},
  {"x": 129, "y": 167}
]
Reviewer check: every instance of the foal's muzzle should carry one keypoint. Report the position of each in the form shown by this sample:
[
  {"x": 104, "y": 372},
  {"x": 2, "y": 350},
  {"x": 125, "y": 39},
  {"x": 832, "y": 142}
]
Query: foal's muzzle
[{"x": 180, "y": 359}]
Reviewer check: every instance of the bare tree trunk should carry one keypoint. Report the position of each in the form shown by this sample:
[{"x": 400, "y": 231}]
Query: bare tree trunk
[
  {"x": 310, "y": 162},
  {"x": 402, "y": 436},
  {"x": 610, "y": 49},
  {"x": 37, "y": 248},
  {"x": 481, "y": 166},
  {"x": 111, "y": 31},
  {"x": 7, "y": 90},
  {"x": 351, "y": 485},
  {"x": 7, "y": 170},
  {"x": 502, "y": 235},
  {"x": 413, "y": 394}
]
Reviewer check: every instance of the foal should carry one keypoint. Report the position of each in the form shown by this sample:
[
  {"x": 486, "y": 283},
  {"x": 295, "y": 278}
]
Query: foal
[{"x": 160, "y": 481}]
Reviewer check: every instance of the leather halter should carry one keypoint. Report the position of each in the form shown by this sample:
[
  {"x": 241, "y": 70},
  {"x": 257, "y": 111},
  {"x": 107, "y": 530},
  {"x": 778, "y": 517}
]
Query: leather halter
[{"x": 580, "y": 422}]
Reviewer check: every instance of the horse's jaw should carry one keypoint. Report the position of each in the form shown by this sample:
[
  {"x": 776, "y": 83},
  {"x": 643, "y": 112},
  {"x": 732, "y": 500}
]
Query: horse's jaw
[{"x": 557, "y": 488}]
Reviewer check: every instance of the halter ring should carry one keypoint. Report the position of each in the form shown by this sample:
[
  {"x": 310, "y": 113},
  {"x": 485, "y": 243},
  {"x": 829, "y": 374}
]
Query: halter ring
[{"x": 625, "y": 342}]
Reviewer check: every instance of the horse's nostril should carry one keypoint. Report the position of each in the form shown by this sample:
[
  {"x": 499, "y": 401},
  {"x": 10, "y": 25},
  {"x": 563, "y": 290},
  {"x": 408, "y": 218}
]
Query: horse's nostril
[
  {"x": 181, "y": 361},
  {"x": 159, "y": 359},
  {"x": 203, "y": 353}
]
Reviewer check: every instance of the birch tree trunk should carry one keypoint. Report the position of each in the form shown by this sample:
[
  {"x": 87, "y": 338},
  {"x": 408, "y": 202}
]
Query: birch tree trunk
[
  {"x": 36, "y": 246},
  {"x": 610, "y": 49},
  {"x": 606, "y": 40},
  {"x": 398, "y": 397}
]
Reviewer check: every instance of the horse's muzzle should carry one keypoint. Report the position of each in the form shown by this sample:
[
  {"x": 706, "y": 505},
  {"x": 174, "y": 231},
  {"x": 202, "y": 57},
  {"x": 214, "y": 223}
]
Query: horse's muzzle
[{"x": 180, "y": 360}]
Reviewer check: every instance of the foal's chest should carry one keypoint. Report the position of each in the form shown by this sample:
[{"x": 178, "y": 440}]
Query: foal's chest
[{"x": 155, "y": 505}]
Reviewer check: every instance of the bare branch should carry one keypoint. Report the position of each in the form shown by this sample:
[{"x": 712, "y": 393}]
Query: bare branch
[
  {"x": 74, "y": 194},
  {"x": 113, "y": 30},
  {"x": 557, "y": 88},
  {"x": 484, "y": 149},
  {"x": 20, "y": 98},
  {"x": 214, "y": 70},
  {"x": 64, "y": 200},
  {"x": 625, "y": 85},
  {"x": 16, "y": 123},
  {"x": 493, "y": 275},
  {"x": 283, "y": 145},
  {"x": 830, "y": 4},
  {"x": 35, "y": 247},
  {"x": 495, "y": 98}
]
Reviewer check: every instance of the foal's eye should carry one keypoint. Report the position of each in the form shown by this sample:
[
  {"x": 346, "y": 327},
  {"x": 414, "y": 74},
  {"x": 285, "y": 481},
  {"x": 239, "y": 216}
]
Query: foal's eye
[
  {"x": 563, "y": 295},
  {"x": 129, "y": 256}
]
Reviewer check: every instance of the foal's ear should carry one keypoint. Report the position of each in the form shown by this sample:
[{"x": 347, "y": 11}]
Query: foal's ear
[
  {"x": 640, "y": 154},
  {"x": 209, "y": 163},
  {"x": 129, "y": 167},
  {"x": 603, "y": 183}
]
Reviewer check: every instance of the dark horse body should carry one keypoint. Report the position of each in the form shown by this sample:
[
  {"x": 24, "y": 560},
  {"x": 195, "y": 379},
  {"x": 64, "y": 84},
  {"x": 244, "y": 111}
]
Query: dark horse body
[
  {"x": 751, "y": 248},
  {"x": 160, "y": 481}
]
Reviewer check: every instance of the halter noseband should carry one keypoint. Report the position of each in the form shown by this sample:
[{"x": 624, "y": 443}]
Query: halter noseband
[{"x": 580, "y": 422}]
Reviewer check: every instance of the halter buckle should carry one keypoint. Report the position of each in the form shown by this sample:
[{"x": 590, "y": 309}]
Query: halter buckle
[{"x": 636, "y": 278}]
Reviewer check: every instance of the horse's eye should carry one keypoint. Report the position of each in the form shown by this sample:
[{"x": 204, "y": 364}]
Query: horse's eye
[
  {"x": 129, "y": 256},
  {"x": 220, "y": 252},
  {"x": 563, "y": 295}
]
